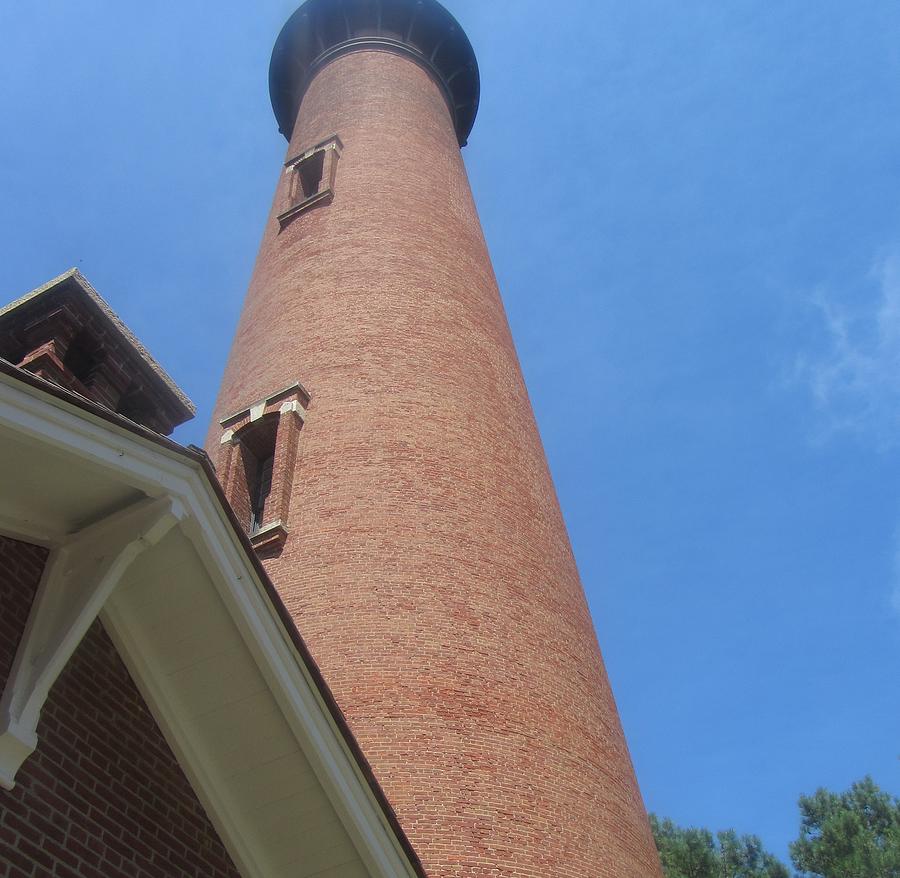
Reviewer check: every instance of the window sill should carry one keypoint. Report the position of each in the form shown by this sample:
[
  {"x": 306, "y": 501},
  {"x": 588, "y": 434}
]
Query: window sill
[
  {"x": 270, "y": 538},
  {"x": 303, "y": 206}
]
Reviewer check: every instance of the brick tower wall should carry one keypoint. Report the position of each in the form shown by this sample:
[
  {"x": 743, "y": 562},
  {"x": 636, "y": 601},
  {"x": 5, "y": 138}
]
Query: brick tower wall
[
  {"x": 102, "y": 797},
  {"x": 427, "y": 563}
]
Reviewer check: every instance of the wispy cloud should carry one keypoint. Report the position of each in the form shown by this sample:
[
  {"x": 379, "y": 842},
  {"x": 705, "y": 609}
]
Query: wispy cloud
[{"x": 855, "y": 382}]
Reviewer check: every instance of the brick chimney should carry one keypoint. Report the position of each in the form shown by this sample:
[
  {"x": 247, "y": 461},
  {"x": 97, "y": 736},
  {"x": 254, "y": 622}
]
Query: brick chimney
[
  {"x": 374, "y": 430},
  {"x": 65, "y": 332}
]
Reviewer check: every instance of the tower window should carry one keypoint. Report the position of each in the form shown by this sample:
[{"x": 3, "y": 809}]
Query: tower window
[
  {"x": 259, "y": 493},
  {"x": 311, "y": 178},
  {"x": 257, "y": 444},
  {"x": 308, "y": 178},
  {"x": 258, "y": 465}
]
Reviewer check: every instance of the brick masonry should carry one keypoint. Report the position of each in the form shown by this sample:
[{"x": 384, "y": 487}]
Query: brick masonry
[
  {"x": 427, "y": 563},
  {"x": 102, "y": 797}
]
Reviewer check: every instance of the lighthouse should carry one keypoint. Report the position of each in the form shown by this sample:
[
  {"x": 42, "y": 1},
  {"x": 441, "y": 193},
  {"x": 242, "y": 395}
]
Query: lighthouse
[{"x": 374, "y": 436}]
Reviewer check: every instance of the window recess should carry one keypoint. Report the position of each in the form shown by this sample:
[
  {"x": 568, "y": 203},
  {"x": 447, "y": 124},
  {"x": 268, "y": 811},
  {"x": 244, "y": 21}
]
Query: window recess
[
  {"x": 311, "y": 177},
  {"x": 261, "y": 487},
  {"x": 258, "y": 462}
]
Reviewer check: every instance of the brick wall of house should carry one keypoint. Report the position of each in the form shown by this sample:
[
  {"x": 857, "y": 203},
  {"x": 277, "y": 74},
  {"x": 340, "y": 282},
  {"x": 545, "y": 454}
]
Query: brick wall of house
[
  {"x": 102, "y": 797},
  {"x": 427, "y": 564}
]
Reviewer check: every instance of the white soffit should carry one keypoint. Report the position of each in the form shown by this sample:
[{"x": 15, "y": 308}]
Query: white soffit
[{"x": 202, "y": 640}]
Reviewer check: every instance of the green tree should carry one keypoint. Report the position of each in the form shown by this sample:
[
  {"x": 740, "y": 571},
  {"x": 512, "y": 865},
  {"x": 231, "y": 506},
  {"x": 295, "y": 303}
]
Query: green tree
[
  {"x": 745, "y": 857},
  {"x": 696, "y": 853},
  {"x": 849, "y": 835}
]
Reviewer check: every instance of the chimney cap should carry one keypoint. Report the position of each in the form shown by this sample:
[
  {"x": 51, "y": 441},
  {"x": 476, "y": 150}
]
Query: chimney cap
[{"x": 321, "y": 30}]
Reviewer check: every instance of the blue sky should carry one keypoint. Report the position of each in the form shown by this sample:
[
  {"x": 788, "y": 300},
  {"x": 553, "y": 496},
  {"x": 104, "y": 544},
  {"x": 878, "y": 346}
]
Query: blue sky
[{"x": 694, "y": 217}]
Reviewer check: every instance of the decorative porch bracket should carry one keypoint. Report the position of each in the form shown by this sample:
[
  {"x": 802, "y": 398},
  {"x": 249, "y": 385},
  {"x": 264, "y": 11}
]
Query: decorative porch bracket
[{"x": 80, "y": 575}]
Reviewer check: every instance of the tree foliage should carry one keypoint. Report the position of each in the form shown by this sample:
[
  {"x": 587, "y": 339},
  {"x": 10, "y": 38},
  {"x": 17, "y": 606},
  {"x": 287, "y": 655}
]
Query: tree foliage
[
  {"x": 696, "y": 853},
  {"x": 855, "y": 834},
  {"x": 849, "y": 835}
]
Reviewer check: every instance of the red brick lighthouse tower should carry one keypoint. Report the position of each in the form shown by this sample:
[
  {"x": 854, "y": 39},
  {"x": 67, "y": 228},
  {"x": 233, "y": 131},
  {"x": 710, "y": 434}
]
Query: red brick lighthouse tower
[{"x": 374, "y": 431}]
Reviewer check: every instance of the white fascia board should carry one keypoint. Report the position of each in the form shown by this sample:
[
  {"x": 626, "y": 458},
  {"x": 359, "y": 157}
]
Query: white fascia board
[
  {"x": 96, "y": 443},
  {"x": 140, "y": 463}
]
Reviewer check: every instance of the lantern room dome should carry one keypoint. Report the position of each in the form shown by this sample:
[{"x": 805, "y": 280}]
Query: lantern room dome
[{"x": 321, "y": 30}]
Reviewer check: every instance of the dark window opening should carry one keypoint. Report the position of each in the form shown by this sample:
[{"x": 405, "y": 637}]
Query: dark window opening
[
  {"x": 309, "y": 179},
  {"x": 82, "y": 358},
  {"x": 259, "y": 493},
  {"x": 257, "y": 444},
  {"x": 309, "y": 175}
]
